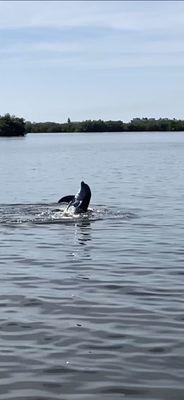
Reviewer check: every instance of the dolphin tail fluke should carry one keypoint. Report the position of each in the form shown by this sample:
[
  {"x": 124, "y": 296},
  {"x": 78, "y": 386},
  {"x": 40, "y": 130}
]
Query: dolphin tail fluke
[{"x": 67, "y": 199}]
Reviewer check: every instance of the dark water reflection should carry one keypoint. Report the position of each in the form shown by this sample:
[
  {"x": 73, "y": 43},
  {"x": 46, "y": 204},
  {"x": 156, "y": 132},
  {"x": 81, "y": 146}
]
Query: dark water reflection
[{"x": 93, "y": 308}]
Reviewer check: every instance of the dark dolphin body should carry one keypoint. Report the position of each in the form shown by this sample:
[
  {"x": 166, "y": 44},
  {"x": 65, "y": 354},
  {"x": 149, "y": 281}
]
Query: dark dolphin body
[{"x": 80, "y": 201}]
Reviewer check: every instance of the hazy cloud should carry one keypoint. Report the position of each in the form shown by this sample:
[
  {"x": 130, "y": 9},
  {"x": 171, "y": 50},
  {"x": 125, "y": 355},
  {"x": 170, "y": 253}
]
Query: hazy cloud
[{"x": 88, "y": 42}]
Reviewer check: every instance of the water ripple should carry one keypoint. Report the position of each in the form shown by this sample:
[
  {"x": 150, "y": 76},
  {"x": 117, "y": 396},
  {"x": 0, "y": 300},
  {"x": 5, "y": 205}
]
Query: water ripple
[{"x": 92, "y": 307}]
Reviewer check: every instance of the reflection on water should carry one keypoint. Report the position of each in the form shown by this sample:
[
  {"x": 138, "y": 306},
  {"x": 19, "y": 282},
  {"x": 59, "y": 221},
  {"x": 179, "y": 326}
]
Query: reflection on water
[
  {"x": 82, "y": 236},
  {"x": 92, "y": 307}
]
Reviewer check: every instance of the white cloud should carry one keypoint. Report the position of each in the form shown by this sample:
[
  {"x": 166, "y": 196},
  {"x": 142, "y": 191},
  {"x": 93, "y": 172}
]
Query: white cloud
[
  {"x": 106, "y": 52},
  {"x": 86, "y": 47},
  {"x": 41, "y": 47},
  {"x": 136, "y": 33},
  {"x": 116, "y": 15}
]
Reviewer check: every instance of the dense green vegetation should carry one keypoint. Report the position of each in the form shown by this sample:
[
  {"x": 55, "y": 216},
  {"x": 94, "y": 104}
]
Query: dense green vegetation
[
  {"x": 12, "y": 126},
  {"x": 135, "y": 125}
]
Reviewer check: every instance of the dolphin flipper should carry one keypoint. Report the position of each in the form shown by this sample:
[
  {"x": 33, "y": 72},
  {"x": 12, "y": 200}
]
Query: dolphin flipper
[{"x": 67, "y": 199}]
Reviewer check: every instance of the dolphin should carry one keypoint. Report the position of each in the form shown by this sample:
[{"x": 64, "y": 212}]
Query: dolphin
[{"x": 80, "y": 201}]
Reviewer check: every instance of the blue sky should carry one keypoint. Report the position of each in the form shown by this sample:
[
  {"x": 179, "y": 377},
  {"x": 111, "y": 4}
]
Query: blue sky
[{"x": 92, "y": 59}]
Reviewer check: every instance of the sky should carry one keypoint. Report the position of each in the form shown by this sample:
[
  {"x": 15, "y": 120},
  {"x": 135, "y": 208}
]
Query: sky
[{"x": 92, "y": 59}]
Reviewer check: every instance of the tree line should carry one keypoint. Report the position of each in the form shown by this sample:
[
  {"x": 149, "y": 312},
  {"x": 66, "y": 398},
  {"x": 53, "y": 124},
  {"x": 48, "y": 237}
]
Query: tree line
[
  {"x": 135, "y": 125},
  {"x": 12, "y": 126},
  {"x": 15, "y": 126}
]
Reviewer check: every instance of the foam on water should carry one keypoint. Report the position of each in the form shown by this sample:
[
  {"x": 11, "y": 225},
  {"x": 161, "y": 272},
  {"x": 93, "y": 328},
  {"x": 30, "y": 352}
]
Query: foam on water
[{"x": 48, "y": 214}]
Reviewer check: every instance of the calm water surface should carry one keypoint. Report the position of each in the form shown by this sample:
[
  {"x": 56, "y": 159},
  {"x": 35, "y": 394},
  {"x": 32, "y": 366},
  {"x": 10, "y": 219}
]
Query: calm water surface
[{"x": 92, "y": 307}]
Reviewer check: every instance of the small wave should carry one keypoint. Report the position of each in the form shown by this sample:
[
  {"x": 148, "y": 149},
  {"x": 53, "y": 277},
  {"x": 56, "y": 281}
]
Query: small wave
[{"x": 18, "y": 214}]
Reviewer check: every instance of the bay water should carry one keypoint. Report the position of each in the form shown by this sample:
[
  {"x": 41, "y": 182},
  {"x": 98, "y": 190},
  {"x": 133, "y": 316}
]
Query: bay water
[{"x": 92, "y": 307}]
